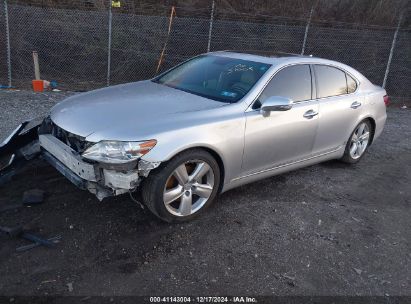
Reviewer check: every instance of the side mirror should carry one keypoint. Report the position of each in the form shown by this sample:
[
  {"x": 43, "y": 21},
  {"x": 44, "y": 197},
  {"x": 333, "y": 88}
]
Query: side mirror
[{"x": 276, "y": 103}]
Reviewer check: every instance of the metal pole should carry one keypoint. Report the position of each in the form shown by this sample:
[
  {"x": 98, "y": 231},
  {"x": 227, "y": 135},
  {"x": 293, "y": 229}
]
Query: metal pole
[
  {"x": 306, "y": 29},
  {"x": 36, "y": 65},
  {"x": 394, "y": 41},
  {"x": 110, "y": 17},
  {"x": 211, "y": 26},
  {"x": 6, "y": 15}
]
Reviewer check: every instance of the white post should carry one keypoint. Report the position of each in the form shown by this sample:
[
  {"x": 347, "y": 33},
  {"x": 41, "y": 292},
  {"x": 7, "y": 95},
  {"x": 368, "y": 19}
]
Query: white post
[
  {"x": 6, "y": 16},
  {"x": 36, "y": 65},
  {"x": 306, "y": 29},
  {"x": 211, "y": 26},
  {"x": 110, "y": 17},
  {"x": 394, "y": 41}
]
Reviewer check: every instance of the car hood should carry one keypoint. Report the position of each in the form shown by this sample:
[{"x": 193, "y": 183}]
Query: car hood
[{"x": 126, "y": 109}]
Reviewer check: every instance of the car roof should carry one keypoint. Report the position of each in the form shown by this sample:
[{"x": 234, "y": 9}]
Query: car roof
[
  {"x": 270, "y": 57},
  {"x": 280, "y": 58}
]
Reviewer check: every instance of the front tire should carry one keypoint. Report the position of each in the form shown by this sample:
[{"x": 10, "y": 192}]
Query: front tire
[
  {"x": 182, "y": 188},
  {"x": 358, "y": 143}
]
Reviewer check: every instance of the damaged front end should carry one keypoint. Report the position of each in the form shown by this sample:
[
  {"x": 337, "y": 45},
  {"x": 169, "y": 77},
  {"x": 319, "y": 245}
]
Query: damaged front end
[{"x": 64, "y": 151}]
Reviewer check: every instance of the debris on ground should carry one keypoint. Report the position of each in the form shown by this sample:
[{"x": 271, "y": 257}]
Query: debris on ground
[
  {"x": 36, "y": 240},
  {"x": 70, "y": 286},
  {"x": 33, "y": 196},
  {"x": 355, "y": 219},
  {"x": 54, "y": 240},
  {"x": 358, "y": 271},
  {"x": 288, "y": 277},
  {"x": 47, "y": 281}
]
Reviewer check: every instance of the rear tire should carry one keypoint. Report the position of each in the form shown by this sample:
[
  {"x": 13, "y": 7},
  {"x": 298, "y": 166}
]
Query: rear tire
[
  {"x": 182, "y": 188},
  {"x": 358, "y": 142}
]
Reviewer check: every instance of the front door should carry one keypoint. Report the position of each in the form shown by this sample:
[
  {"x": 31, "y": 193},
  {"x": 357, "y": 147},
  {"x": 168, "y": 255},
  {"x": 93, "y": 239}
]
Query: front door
[{"x": 287, "y": 136}]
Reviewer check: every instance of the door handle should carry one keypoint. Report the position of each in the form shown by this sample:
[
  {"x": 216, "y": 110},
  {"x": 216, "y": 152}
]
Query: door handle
[
  {"x": 310, "y": 114},
  {"x": 355, "y": 104}
]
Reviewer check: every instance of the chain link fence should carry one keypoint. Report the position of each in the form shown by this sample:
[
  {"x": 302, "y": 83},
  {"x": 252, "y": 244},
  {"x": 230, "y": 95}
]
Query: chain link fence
[
  {"x": 3, "y": 47},
  {"x": 86, "y": 49}
]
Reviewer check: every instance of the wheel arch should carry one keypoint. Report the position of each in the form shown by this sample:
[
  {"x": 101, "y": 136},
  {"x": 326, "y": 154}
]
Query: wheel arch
[
  {"x": 216, "y": 156},
  {"x": 373, "y": 125},
  {"x": 220, "y": 163},
  {"x": 371, "y": 121}
]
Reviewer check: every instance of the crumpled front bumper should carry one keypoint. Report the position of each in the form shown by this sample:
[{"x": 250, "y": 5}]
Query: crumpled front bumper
[
  {"x": 103, "y": 180},
  {"x": 99, "y": 181}
]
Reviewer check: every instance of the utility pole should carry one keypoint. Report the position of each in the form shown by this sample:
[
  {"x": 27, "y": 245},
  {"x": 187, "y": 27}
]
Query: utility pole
[
  {"x": 210, "y": 31},
  {"x": 394, "y": 41},
  {"x": 307, "y": 27},
  {"x": 6, "y": 16},
  {"x": 110, "y": 17}
]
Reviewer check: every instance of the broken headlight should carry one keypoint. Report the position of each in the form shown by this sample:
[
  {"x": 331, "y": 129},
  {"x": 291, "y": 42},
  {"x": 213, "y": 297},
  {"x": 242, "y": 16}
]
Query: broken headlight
[{"x": 118, "y": 152}]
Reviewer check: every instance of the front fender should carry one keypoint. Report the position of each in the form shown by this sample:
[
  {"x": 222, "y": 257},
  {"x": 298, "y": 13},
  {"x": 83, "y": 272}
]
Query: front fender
[{"x": 225, "y": 138}]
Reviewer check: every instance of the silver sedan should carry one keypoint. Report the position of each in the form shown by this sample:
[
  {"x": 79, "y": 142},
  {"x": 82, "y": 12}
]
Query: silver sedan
[{"x": 210, "y": 124}]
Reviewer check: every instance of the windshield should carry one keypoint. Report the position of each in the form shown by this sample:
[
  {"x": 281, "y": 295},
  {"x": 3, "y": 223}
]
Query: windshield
[{"x": 219, "y": 78}]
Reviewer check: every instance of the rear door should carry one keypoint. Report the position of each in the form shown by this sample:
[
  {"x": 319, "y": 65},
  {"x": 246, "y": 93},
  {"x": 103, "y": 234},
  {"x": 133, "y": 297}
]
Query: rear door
[
  {"x": 282, "y": 137},
  {"x": 339, "y": 106}
]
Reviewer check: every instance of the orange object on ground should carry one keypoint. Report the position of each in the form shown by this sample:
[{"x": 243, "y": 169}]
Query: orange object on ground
[{"x": 38, "y": 85}]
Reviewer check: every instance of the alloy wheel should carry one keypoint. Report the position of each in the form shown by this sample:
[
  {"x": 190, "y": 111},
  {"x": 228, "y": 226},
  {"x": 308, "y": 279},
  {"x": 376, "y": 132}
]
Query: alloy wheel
[
  {"x": 188, "y": 188},
  {"x": 359, "y": 140}
]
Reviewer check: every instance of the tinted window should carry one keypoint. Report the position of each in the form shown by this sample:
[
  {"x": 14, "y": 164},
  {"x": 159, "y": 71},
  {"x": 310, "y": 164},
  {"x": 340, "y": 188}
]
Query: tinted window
[
  {"x": 220, "y": 78},
  {"x": 293, "y": 82},
  {"x": 351, "y": 84},
  {"x": 331, "y": 81}
]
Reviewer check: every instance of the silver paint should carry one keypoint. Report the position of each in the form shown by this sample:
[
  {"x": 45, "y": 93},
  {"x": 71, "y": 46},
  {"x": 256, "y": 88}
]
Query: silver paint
[
  {"x": 66, "y": 155},
  {"x": 250, "y": 145}
]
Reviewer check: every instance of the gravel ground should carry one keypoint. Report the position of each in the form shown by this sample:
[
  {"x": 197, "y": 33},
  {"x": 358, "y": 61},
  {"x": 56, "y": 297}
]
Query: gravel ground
[
  {"x": 329, "y": 229},
  {"x": 17, "y": 106}
]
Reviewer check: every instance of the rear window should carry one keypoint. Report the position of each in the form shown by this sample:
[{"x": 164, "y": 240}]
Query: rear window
[
  {"x": 331, "y": 81},
  {"x": 351, "y": 84}
]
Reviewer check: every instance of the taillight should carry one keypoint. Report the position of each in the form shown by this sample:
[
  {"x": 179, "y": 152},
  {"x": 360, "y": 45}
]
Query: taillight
[{"x": 386, "y": 100}]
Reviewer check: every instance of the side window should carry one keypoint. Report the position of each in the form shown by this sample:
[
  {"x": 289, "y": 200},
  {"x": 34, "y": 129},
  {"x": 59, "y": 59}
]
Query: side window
[
  {"x": 293, "y": 82},
  {"x": 351, "y": 84},
  {"x": 331, "y": 81}
]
